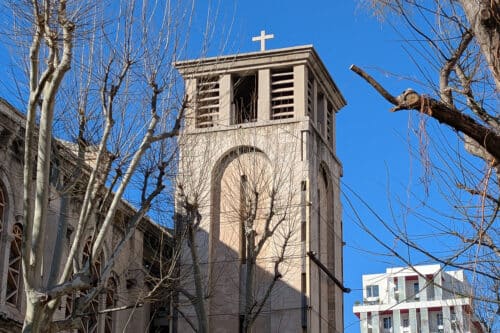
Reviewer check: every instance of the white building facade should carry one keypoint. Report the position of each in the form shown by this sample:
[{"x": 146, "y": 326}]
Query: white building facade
[{"x": 423, "y": 299}]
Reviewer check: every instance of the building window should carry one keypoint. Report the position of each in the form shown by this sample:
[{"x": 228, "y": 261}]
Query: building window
[
  {"x": 406, "y": 323},
  {"x": 282, "y": 93},
  {"x": 372, "y": 291},
  {"x": 453, "y": 319},
  {"x": 439, "y": 319},
  {"x": 207, "y": 108},
  {"x": 91, "y": 322},
  {"x": 160, "y": 315},
  {"x": 14, "y": 272},
  {"x": 416, "y": 289},
  {"x": 110, "y": 304},
  {"x": 244, "y": 99},
  {"x": 387, "y": 323},
  {"x": 439, "y": 322}
]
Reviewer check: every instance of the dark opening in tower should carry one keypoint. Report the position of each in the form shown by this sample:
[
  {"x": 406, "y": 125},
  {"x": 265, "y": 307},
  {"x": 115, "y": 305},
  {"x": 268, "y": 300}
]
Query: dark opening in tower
[{"x": 244, "y": 99}]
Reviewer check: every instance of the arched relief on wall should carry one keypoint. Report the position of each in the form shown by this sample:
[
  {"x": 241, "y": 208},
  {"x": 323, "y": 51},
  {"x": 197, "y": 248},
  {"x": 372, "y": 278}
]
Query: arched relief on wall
[
  {"x": 325, "y": 187},
  {"x": 8, "y": 218},
  {"x": 110, "y": 303},
  {"x": 217, "y": 175},
  {"x": 90, "y": 323},
  {"x": 12, "y": 180},
  {"x": 3, "y": 207},
  {"x": 11, "y": 226},
  {"x": 4, "y": 232},
  {"x": 325, "y": 210},
  {"x": 3, "y": 226},
  {"x": 241, "y": 174}
]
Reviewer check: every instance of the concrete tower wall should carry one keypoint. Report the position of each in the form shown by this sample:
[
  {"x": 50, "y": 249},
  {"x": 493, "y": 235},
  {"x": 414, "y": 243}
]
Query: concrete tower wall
[{"x": 260, "y": 133}]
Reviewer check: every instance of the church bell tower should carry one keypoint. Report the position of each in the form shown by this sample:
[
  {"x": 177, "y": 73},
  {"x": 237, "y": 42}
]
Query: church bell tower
[{"x": 257, "y": 160}]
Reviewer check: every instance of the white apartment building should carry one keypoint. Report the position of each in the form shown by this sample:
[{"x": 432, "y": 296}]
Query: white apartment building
[{"x": 421, "y": 299}]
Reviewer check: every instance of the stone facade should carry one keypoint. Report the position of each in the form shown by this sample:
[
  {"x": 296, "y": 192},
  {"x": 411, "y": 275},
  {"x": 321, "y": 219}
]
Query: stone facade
[
  {"x": 127, "y": 281},
  {"x": 263, "y": 124}
]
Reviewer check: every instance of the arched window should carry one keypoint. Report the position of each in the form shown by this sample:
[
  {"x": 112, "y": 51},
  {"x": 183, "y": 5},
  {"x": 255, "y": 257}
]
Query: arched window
[
  {"x": 68, "y": 311},
  {"x": 110, "y": 304},
  {"x": 14, "y": 272},
  {"x": 95, "y": 269},
  {"x": 242, "y": 197},
  {"x": 91, "y": 322}
]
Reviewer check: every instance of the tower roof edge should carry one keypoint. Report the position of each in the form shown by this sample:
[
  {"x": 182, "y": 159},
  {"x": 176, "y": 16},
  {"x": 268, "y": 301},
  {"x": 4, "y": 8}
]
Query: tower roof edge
[{"x": 244, "y": 62}]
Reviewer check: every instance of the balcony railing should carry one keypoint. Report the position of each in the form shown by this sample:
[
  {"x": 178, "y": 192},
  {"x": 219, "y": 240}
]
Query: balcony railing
[{"x": 371, "y": 300}]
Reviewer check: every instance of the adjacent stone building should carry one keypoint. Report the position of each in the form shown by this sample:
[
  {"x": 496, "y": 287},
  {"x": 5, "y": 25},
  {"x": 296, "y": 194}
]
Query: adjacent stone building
[
  {"x": 127, "y": 281},
  {"x": 423, "y": 299},
  {"x": 259, "y": 139}
]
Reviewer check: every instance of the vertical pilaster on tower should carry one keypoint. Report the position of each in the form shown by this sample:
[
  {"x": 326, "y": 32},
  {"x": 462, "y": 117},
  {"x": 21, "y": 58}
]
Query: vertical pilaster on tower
[
  {"x": 264, "y": 98},
  {"x": 300, "y": 90},
  {"x": 226, "y": 96},
  {"x": 190, "y": 91}
]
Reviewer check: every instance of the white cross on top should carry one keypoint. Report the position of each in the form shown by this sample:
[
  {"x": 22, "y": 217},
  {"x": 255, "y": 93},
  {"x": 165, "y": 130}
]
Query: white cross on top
[{"x": 262, "y": 38}]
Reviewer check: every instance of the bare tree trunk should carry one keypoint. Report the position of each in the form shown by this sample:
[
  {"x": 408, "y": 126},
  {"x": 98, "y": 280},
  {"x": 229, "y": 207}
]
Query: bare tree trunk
[
  {"x": 458, "y": 57},
  {"x": 249, "y": 280},
  {"x": 199, "y": 300},
  {"x": 188, "y": 223},
  {"x": 34, "y": 230},
  {"x": 484, "y": 18},
  {"x": 117, "y": 140}
]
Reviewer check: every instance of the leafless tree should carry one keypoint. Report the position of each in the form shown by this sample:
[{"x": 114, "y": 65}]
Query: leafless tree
[
  {"x": 455, "y": 46},
  {"x": 267, "y": 223},
  {"x": 100, "y": 77},
  {"x": 253, "y": 223}
]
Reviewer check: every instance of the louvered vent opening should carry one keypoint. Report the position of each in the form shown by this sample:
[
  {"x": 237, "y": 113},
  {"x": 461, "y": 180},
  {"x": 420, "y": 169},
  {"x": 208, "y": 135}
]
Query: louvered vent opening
[
  {"x": 310, "y": 96},
  {"x": 207, "y": 110},
  {"x": 282, "y": 93}
]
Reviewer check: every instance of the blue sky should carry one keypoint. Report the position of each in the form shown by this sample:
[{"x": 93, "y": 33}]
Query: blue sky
[{"x": 372, "y": 143}]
